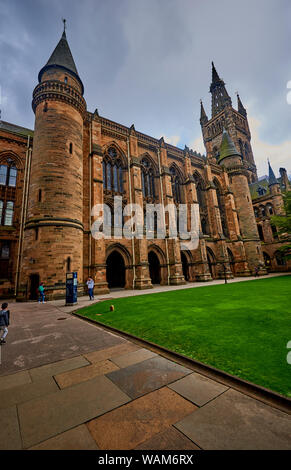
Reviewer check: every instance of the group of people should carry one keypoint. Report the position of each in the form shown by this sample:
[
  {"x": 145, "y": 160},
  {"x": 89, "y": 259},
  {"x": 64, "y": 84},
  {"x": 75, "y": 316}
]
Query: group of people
[{"x": 90, "y": 285}]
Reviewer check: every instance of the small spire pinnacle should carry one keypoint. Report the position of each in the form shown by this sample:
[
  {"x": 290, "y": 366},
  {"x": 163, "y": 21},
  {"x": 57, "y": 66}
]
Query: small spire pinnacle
[
  {"x": 272, "y": 177},
  {"x": 215, "y": 76},
  {"x": 64, "y": 21},
  {"x": 240, "y": 107},
  {"x": 203, "y": 115}
]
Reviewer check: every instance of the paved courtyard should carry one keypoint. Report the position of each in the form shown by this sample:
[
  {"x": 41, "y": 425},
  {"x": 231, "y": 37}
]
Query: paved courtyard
[{"x": 68, "y": 384}]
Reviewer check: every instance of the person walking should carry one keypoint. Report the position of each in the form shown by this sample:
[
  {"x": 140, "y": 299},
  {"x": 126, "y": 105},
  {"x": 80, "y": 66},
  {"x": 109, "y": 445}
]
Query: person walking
[
  {"x": 90, "y": 285},
  {"x": 256, "y": 271},
  {"x": 41, "y": 293},
  {"x": 4, "y": 322}
]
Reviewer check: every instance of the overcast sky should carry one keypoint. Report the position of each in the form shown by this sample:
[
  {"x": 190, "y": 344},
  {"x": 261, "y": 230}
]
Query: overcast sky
[{"x": 148, "y": 62}]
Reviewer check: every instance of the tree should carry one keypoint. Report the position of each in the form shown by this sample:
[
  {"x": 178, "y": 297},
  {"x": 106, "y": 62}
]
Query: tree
[{"x": 283, "y": 224}]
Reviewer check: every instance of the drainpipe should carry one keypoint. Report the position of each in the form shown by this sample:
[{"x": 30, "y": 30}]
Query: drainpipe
[
  {"x": 26, "y": 189},
  {"x": 130, "y": 201},
  {"x": 164, "y": 217},
  {"x": 90, "y": 200},
  {"x": 21, "y": 218}
]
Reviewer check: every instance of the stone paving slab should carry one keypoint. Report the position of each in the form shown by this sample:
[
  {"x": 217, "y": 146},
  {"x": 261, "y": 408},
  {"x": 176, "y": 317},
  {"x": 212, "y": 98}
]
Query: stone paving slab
[
  {"x": 53, "y": 414},
  {"x": 67, "y": 379},
  {"x": 27, "y": 392},
  {"x": 146, "y": 376},
  {"x": 10, "y": 438},
  {"x": 38, "y": 336},
  {"x": 114, "y": 351},
  {"x": 138, "y": 421},
  {"x": 198, "y": 389},
  {"x": 134, "y": 357},
  {"x": 77, "y": 438},
  {"x": 49, "y": 370},
  {"x": 14, "y": 380},
  {"x": 171, "y": 439},
  {"x": 234, "y": 421}
]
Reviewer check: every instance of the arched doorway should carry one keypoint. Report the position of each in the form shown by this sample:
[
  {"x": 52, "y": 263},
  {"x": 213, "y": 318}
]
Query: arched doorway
[
  {"x": 115, "y": 270},
  {"x": 211, "y": 263},
  {"x": 267, "y": 260},
  {"x": 34, "y": 285},
  {"x": 154, "y": 268},
  {"x": 231, "y": 261},
  {"x": 185, "y": 266}
]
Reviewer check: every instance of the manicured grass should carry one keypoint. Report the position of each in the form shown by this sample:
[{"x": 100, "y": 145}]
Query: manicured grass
[{"x": 242, "y": 328}]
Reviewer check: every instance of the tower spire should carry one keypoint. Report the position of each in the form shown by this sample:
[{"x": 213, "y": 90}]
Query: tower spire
[
  {"x": 220, "y": 97},
  {"x": 241, "y": 109},
  {"x": 62, "y": 58},
  {"x": 215, "y": 76}
]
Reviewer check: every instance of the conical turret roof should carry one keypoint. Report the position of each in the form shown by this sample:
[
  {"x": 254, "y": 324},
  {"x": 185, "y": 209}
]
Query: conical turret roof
[
  {"x": 227, "y": 148},
  {"x": 63, "y": 58}
]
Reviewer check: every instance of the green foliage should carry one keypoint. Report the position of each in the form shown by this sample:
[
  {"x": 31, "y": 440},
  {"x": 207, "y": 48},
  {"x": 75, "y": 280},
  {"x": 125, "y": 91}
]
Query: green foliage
[
  {"x": 283, "y": 222},
  {"x": 242, "y": 328}
]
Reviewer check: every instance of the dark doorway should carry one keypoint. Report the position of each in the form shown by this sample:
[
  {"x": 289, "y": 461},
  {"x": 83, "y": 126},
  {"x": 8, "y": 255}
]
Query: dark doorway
[
  {"x": 34, "y": 285},
  {"x": 211, "y": 263},
  {"x": 231, "y": 261},
  {"x": 185, "y": 266},
  {"x": 115, "y": 270},
  {"x": 155, "y": 268}
]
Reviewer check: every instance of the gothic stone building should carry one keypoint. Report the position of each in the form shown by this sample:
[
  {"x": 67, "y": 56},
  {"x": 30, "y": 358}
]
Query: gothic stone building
[{"x": 52, "y": 177}]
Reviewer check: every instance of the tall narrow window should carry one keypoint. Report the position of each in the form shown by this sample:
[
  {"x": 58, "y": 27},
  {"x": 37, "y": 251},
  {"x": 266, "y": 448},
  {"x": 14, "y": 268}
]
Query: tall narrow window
[
  {"x": 220, "y": 200},
  {"x": 176, "y": 185},
  {"x": 68, "y": 264},
  {"x": 201, "y": 198},
  {"x": 147, "y": 179},
  {"x": 71, "y": 148},
  {"x": 36, "y": 233},
  {"x": 112, "y": 171},
  {"x": 39, "y": 195},
  {"x": 3, "y": 174},
  {"x": 8, "y": 218},
  {"x": 1, "y": 211}
]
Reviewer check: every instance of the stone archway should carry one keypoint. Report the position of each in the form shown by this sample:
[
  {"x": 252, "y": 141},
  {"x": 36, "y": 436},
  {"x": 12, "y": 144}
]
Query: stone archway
[
  {"x": 185, "y": 266},
  {"x": 154, "y": 268},
  {"x": 33, "y": 286},
  {"x": 211, "y": 263},
  {"x": 231, "y": 261},
  {"x": 115, "y": 270}
]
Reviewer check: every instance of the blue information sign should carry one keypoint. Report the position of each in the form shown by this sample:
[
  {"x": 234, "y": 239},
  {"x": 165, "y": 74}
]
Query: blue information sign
[{"x": 71, "y": 288}]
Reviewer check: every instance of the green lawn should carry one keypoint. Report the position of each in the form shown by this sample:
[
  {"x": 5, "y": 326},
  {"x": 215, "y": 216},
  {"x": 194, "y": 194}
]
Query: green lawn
[{"x": 242, "y": 328}]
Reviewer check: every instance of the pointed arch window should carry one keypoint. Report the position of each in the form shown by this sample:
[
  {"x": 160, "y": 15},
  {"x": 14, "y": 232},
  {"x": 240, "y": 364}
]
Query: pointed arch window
[
  {"x": 8, "y": 175},
  {"x": 112, "y": 171},
  {"x": 176, "y": 185},
  {"x": 147, "y": 179},
  {"x": 221, "y": 206},
  {"x": 201, "y": 198}
]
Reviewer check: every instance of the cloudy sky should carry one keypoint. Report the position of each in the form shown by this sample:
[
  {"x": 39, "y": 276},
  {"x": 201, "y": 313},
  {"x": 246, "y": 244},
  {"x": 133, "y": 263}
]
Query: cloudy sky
[{"x": 148, "y": 62}]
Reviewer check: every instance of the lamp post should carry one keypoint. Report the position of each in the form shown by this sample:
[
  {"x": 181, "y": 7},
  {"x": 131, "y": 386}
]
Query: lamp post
[{"x": 224, "y": 270}]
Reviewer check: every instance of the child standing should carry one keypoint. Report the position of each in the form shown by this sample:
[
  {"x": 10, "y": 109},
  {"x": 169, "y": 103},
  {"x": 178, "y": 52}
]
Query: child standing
[
  {"x": 4, "y": 322},
  {"x": 41, "y": 293}
]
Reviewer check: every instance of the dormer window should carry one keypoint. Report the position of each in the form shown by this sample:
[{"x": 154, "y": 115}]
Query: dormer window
[
  {"x": 261, "y": 191},
  {"x": 66, "y": 80}
]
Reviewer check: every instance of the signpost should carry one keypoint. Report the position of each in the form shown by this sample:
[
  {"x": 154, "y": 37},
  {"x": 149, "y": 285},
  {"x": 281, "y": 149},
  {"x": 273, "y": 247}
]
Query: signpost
[{"x": 71, "y": 288}]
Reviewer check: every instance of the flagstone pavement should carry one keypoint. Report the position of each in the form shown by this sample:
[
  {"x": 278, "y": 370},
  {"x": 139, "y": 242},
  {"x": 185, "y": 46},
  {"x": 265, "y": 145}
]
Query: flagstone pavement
[{"x": 71, "y": 385}]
